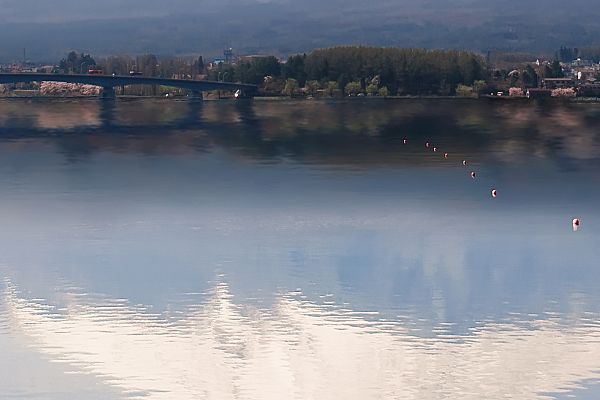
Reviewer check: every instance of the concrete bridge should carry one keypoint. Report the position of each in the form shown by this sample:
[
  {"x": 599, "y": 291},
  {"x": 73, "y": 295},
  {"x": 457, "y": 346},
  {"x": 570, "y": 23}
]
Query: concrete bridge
[{"x": 109, "y": 82}]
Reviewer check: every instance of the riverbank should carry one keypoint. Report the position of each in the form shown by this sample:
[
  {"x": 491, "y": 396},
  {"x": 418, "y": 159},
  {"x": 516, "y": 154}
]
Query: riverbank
[
  {"x": 417, "y": 98},
  {"x": 33, "y": 94}
]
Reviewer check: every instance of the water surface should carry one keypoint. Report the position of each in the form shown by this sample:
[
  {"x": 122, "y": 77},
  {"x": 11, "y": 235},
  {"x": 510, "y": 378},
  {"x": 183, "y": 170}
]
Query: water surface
[{"x": 253, "y": 250}]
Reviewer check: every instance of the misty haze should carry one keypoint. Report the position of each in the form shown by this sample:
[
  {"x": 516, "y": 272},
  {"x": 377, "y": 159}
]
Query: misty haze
[{"x": 48, "y": 29}]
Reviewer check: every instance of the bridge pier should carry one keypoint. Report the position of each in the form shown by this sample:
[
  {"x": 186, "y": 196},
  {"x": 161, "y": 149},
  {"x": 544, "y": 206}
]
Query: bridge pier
[
  {"x": 196, "y": 95},
  {"x": 108, "y": 92}
]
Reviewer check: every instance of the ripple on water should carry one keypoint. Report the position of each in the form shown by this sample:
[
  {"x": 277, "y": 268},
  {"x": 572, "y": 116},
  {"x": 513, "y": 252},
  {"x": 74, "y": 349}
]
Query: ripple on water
[{"x": 300, "y": 349}]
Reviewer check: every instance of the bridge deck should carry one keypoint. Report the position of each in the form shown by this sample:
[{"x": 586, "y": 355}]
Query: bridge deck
[{"x": 111, "y": 81}]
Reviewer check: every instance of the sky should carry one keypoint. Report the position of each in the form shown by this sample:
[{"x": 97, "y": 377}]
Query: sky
[
  {"x": 72, "y": 10},
  {"x": 49, "y": 29}
]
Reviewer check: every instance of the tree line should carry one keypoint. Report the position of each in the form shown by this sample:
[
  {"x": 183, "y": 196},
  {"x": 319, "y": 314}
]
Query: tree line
[
  {"x": 76, "y": 63},
  {"x": 352, "y": 70},
  {"x": 568, "y": 54},
  {"x": 371, "y": 70}
]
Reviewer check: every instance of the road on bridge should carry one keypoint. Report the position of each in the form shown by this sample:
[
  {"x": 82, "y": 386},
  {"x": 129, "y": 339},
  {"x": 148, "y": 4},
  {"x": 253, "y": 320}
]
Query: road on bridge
[{"x": 109, "y": 82}]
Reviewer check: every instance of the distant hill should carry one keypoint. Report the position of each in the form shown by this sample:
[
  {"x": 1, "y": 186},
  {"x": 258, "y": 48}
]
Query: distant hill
[{"x": 50, "y": 29}]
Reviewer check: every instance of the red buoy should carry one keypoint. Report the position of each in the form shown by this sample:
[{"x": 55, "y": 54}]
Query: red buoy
[{"x": 576, "y": 224}]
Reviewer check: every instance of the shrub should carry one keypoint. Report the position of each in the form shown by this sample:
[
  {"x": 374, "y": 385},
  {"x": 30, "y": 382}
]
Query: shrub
[
  {"x": 564, "y": 92},
  {"x": 464, "y": 91},
  {"x": 516, "y": 92},
  {"x": 383, "y": 92},
  {"x": 353, "y": 88}
]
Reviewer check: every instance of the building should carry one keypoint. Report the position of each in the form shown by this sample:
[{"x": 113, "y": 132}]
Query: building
[
  {"x": 558, "y": 83},
  {"x": 582, "y": 63},
  {"x": 47, "y": 69},
  {"x": 228, "y": 54},
  {"x": 584, "y": 74},
  {"x": 250, "y": 58},
  {"x": 215, "y": 63}
]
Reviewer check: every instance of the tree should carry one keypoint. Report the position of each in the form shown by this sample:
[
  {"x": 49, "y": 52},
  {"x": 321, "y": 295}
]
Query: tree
[
  {"x": 290, "y": 87},
  {"x": 411, "y": 71},
  {"x": 478, "y": 85},
  {"x": 530, "y": 77},
  {"x": 553, "y": 70},
  {"x": 294, "y": 68},
  {"x": 383, "y": 91},
  {"x": 254, "y": 71},
  {"x": 77, "y": 63},
  {"x": 331, "y": 87},
  {"x": 118, "y": 65},
  {"x": 148, "y": 65},
  {"x": 526, "y": 78},
  {"x": 312, "y": 87},
  {"x": 372, "y": 89},
  {"x": 464, "y": 91},
  {"x": 567, "y": 54},
  {"x": 590, "y": 53},
  {"x": 514, "y": 77},
  {"x": 198, "y": 66},
  {"x": 353, "y": 88}
]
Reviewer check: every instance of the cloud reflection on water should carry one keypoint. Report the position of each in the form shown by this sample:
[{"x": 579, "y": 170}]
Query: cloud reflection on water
[
  {"x": 155, "y": 197},
  {"x": 301, "y": 350}
]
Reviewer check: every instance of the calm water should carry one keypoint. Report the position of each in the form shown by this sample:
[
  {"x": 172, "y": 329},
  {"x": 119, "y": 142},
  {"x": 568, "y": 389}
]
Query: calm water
[{"x": 270, "y": 250}]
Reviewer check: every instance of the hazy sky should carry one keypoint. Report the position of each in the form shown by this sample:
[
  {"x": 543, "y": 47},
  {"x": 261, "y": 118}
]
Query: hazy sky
[
  {"x": 67, "y": 10},
  {"x": 44, "y": 10},
  {"x": 64, "y": 10},
  {"x": 49, "y": 29}
]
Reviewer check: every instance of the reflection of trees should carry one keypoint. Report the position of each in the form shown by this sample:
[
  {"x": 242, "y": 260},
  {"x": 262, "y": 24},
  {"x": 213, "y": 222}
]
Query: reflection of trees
[
  {"x": 346, "y": 132},
  {"x": 336, "y": 132}
]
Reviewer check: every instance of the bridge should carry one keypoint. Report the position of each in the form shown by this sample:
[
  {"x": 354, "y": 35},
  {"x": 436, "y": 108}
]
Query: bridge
[{"x": 109, "y": 82}]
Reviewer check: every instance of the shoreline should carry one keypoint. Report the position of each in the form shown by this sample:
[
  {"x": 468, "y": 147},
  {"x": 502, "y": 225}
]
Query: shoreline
[{"x": 340, "y": 99}]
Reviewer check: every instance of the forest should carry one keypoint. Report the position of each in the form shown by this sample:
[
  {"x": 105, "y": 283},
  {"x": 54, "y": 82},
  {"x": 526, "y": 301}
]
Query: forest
[
  {"x": 350, "y": 69},
  {"x": 568, "y": 54},
  {"x": 396, "y": 71}
]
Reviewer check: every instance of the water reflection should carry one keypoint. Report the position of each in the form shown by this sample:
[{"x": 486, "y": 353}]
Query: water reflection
[
  {"x": 146, "y": 202},
  {"x": 220, "y": 349},
  {"x": 347, "y": 133}
]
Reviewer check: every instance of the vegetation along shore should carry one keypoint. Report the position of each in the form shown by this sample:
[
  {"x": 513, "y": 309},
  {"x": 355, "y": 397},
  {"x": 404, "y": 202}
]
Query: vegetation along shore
[{"x": 350, "y": 71}]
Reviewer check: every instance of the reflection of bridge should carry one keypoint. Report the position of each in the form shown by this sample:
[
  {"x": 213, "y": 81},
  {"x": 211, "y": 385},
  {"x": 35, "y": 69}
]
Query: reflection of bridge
[
  {"x": 109, "y": 82},
  {"x": 242, "y": 121}
]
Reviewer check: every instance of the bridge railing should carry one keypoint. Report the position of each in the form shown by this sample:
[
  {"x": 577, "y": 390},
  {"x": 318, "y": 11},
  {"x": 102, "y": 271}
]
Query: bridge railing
[{"x": 108, "y": 82}]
